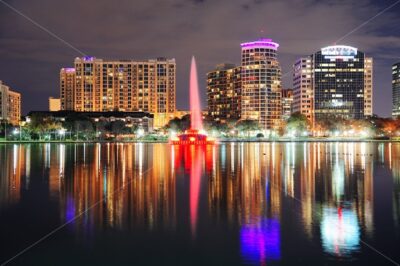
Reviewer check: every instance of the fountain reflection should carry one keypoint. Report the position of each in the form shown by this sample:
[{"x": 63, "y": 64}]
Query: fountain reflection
[
  {"x": 246, "y": 185},
  {"x": 193, "y": 158}
]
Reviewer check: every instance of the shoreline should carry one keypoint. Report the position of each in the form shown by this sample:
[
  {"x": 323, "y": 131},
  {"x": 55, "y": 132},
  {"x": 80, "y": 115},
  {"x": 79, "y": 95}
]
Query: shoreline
[{"x": 219, "y": 141}]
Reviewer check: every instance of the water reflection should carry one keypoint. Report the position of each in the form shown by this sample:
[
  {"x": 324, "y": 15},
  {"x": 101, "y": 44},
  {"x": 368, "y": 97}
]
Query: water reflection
[
  {"x": 261, "y": 243},
  {"x": 340, "y": 231},
  {"x": 244, "y": 188}
]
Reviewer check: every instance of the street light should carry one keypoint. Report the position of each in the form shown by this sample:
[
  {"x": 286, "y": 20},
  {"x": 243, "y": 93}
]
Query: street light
[
  {"x": 17, "y": 132},
  {"x": 61, "y": 132},
  {"x": 140, "y": 132}
]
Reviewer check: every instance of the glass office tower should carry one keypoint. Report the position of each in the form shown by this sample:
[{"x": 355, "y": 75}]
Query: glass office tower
[{"x": 396, "y": 90}]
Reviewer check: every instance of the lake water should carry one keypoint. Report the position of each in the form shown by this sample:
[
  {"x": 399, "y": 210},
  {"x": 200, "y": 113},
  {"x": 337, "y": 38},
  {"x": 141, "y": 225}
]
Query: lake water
[{"x": 229, "y": 204}]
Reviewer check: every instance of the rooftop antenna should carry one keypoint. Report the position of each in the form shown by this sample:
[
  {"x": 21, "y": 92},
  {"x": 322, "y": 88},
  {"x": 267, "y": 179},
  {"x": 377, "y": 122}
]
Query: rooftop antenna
[{"x": 261, "y": 33}]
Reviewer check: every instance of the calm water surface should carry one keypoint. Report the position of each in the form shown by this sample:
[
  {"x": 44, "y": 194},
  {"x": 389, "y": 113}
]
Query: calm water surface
[{"x": 231, "y": 204}]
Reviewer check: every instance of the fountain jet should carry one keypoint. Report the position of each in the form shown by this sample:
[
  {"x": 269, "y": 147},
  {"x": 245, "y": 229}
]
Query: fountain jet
[
  {"x": 195, "y": 134},
  {"x": 195, "y": 106}
]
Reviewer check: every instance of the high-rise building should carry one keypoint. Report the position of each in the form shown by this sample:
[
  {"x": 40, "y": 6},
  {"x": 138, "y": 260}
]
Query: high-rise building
[
  {"x": 223, "y": 93},
  {"x": 287, "y": 103},
  {"x": 368, "y": 86},
  {"x": 396, "y": 89},
  {"x": 54, "y": 104},
  {"x": 121, "y": 85},
  {"x": 10, "y": 105},
  {"x": 303, "y": 97},
  {"x": 261, "y": 83},
  {"x": 67, "y": 88},
  {"x": 334, "y": 82}
]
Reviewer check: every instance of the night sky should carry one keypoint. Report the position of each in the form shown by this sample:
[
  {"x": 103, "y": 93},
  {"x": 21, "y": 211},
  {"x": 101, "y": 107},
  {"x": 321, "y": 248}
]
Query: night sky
[{"x": 212, "y": 30}]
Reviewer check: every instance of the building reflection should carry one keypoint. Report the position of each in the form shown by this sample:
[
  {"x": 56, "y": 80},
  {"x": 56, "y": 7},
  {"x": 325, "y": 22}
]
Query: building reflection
[
  {"x": 118, "y": 186},
  {"x": 129, "y": 186},
  {"x": 245, "y": 188},
  {"x": 333, "y": 182},
  {"x": 12, "y": 173},
  {"x": 392, "y": 161}
]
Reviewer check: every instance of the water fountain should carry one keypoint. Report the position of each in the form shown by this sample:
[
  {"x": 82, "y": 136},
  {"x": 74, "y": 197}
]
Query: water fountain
[{"x": 196, "y": 134}]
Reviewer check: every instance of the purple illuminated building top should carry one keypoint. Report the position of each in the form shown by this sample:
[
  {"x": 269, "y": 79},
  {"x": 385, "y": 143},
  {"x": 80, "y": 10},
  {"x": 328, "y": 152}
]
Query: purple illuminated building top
[
  {"x": 88, "y": 58},
  {"x": 69, "y": 69},
  {"x": 260, "y": 43}
]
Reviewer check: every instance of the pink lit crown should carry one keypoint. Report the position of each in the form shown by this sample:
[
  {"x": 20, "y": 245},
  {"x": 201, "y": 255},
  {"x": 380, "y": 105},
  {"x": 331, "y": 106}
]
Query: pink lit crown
[{"x": 260, "y": 43}]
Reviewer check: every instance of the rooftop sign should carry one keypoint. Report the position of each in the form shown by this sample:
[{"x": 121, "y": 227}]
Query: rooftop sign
[{"x": 339, "y": 52}]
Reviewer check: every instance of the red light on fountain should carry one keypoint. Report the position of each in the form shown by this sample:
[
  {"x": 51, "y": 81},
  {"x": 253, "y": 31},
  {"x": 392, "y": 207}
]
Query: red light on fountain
[
  {"x": 195, "y": 134},
  {"x": 192, "y": 136}
]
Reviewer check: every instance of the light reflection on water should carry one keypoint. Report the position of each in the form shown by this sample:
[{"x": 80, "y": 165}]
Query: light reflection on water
[
  {"x": 244, "y": 187},
  {"x": 340, "y": 231}
]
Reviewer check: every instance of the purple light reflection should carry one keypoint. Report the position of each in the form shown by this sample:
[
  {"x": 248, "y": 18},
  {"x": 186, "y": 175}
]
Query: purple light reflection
[
  {"x": 261, "y": 242},
  {"x": 70, "y": 210}
]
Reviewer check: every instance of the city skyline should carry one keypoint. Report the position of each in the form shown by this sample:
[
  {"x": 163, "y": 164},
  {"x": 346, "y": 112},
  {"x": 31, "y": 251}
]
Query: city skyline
[{"x": 34, "y": 68}]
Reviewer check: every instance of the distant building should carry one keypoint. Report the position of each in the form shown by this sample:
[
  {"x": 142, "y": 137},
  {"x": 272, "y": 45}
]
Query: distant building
[
  {"x": 54, "y": 104},
  {"x": 224, "y": 93},
  {"x": 334, "y": 82},
  {"x": 10, "y": 105},
  {"x": 142, "y": 120},
  {"x": 396, "y": 90},
  {"x": 97, "y": 85},
  {"x": 261, "y": 83},
  {"x": 287, "y": 103}
]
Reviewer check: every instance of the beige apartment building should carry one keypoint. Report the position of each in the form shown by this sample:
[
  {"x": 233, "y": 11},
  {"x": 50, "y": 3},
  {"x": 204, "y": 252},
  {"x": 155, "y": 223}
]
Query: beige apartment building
[
  {"x": 10, "y": 105},
  {"x": 54, "y": 104},
  {"x": 97, "y": 85}
]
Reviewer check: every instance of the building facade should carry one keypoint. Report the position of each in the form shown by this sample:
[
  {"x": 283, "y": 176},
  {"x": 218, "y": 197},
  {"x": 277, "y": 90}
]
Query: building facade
[
  {"x": 10, "y": 105},
  {"x": 121, "y": 85},
  {"x": 54, "y": 104},
  {"x": 368, "y": 86},
  {"x": 261, "y": 83},
  {"x": 67, "y": 88},
  {"x": 396, "y": 90},
  {"x": 287, "y": 103},
  {"x": 224, "y": 93},
  {"x": 335, "y": 82},
  {"x": 303, "y": 96}
]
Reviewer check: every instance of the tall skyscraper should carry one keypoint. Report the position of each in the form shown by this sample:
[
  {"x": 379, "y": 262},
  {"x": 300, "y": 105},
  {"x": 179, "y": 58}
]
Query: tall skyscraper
[
  {"x": 10, "y": 105},
  {"x": 368, "y": 86},
  {"x": 303, "y": 97},
  {"x": 261, "y": 83},
  {"x": 223, "y": 93},
  {"x": 334, "y": 82},
  {"x": 121, "y": 85},
  {"x": 67, "y": 88},
  {"x": 396, "y": 89}
]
